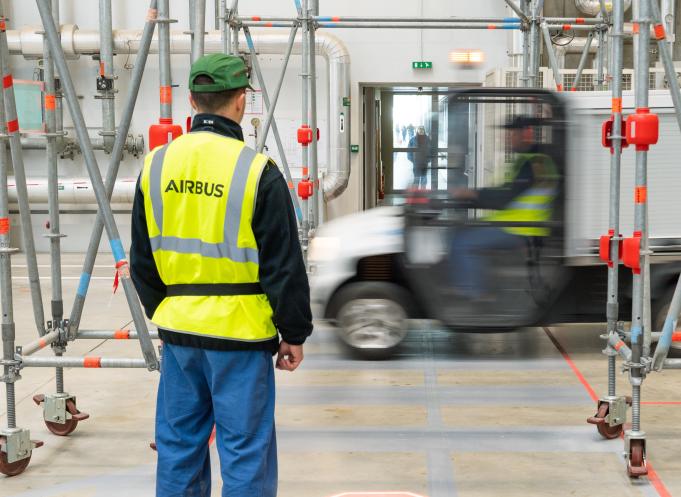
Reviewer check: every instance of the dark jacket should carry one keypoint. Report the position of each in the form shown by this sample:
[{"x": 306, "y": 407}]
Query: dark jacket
[
  {"x": 498, "y": 198},
  {"x": 282, "y": 270}
]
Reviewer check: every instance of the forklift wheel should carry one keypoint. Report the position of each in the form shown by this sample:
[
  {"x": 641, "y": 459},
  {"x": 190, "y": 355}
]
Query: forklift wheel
[
  {"x": 372, "y": 318},
  {"x": 15, "y": 468}
]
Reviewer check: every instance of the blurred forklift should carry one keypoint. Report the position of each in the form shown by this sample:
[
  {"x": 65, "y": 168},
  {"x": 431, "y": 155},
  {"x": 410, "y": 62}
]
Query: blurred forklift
[{"x": 376, "y": 270}]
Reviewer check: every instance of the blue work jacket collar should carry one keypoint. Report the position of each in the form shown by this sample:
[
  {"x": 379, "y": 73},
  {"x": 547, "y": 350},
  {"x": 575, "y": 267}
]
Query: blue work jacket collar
[{"x": 218, "y": 124}]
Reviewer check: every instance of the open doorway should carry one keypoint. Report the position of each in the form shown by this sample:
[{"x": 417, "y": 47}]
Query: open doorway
[{"x": 410, "y": 140}]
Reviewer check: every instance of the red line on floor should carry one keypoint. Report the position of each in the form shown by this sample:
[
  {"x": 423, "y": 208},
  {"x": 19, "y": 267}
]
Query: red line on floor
[
  {"x": 653, "y": 477},
  {"x": 655, "y": 403}
]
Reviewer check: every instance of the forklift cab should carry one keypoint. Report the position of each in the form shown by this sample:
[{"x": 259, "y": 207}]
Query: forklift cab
[{"x": 474, "y": 258}]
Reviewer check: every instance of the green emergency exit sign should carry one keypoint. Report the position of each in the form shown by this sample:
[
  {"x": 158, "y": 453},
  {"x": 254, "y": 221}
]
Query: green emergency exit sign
[
  {"x": 421, "y": 64},
  {"x": 354, "y": 148}
]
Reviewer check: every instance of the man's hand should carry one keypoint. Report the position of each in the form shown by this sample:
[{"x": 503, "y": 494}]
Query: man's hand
[{"x": 289, "y": 356}]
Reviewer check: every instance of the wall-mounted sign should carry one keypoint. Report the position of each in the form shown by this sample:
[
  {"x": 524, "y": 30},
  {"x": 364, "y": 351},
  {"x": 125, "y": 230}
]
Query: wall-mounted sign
[{"x": 421, "y": 64}]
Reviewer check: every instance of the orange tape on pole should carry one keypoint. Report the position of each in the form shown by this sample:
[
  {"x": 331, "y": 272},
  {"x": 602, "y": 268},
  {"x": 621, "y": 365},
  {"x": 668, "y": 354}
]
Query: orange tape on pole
[
  {"x": 4, "y": 225},
  {"x": 306, "y": 171},
  {"x": 559, "y": 87},
  {"x": 617, "y": 105},
  {"x": 7, "y": 81},
  {"x": 659, "y": 32},
  {"x": 166, "y": 93},
  {"x": 3, "y": 25},
  {"x": 619, "y": 345},
  {"x": 580, "y": 20},
  {"x": 641, "y": 194},
  {"x": 122, "y": 334},
  {"x": 42, "y": 343},
  {"x": 92, "y": 362},
  {"x": 50, "y": 102},
  {"x": 491, "y": 26},
  {"x": 13, "y": 126},
  {"x": 676, "y": 336},
  {"x": 567, "y": 27},
  {"x": 636, "y": 28}
]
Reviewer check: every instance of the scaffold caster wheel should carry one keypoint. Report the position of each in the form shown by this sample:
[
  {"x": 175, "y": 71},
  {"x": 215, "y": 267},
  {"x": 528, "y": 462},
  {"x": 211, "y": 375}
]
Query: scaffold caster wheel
[
  {"x": 17, "y": 467},
  {"x": 636, "y": 465},
  {"x": 69, "y": 425},
  {"x": 602, "y": 425}
]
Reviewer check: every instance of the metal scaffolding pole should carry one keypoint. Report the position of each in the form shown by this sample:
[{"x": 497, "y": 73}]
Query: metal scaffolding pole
[
  {"x": 534, "y": 45},
  {"x": 582, "y": 60},
  {"x": 105, "y": 82},
  {"x": 20, "y": 179},
  {"x": 664, "y": 48},
  {"x": 635, "y": 438},
  {"x": 417, "y": 20},
  {"x": 224, "y": 28},
  {"x": 558, "y": 78},
  {"x": 198, "y": 29},
  {"x": 524, "y": 79},
  {"x": 164, "y": 68},
  {"x": 57, "y": 303},
  {"x": 80, "y": 362},
  {"x": 98, "y": 185},
  {"x": 405, "y": 25},
  {"x": 305, "y": 92},
  {"x": 313, "y": 204},
  {"x": 234, "y": 29},
  {"x": 275, "y": 130},
  {"x": 112, "y": 171}
]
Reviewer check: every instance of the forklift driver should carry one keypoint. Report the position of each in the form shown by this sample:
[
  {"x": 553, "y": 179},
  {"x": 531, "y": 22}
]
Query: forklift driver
[{"x": 528, "y": 195}]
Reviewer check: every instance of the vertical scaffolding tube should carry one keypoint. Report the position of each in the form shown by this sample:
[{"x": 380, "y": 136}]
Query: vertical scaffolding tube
[
  {"x": 313, "y": 204},
  {"x": 224, "y": 28},
  {"x": 640, "y": 225},
  {"x": 612, "y": 306},
  {"x": 164, "y": 70},
  {"x": 198, "y": 29},
  {"x": 234, "y": 30},
  {"x": 675, "y": 307},
  {"x": 535, "y": 43},
  {"x": 57, "y": 304},
  {"x": 599, "y": 60},
  {"x": 20, "y": 179},
  {"x": 112, "y": 171},
  {"x": 106, "y": 65},
  {"x": 97, "y": 183},
  {"x": 6, "y": 301},
  {"x": 305, "y": 225},
  {"x": 270, "y": 111},
  {"x": 525, "y": 83}
]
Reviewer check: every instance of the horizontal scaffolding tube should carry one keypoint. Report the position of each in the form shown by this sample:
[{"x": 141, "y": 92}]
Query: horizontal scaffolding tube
[
  {"x": 440, "y": 20},
  {"x": 112, "y": 335},
  {"x": 570, "y": 27},
  {"x": 355, "y": 25},
  {"x": 672, "y": 364},
  {"x": 80, "y": 362},
  {"x": 41, "y": 343},
  {"x": 573, "y": 20}
]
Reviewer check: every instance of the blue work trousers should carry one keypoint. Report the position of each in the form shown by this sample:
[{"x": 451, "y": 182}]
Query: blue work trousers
[
  {"x": 233, "y": 390},
  {"x": 467, "y": 253}
]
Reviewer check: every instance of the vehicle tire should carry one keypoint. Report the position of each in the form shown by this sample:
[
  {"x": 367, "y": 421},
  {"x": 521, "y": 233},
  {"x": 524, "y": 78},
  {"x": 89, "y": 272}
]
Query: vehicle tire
[
  {"x": 659, "y": 317},
  {"x": 372, "y": 318}
]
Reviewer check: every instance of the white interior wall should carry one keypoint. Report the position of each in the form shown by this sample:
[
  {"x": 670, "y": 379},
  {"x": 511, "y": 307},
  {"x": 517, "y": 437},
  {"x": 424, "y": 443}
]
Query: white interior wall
[{"x": 377, "y": 57}]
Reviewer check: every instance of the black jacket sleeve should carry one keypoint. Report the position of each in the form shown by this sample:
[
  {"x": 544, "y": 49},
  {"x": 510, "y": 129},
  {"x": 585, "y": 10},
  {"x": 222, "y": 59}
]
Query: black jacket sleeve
[
  {"x": 282, "y": 270},
  {"x": 150, "y": 287}
]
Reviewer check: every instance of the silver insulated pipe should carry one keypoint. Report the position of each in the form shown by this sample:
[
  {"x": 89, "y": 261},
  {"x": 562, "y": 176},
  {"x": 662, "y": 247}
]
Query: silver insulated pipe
[
  {"x": 593, "y": 7},
  {"x": 75, "y": 42}
]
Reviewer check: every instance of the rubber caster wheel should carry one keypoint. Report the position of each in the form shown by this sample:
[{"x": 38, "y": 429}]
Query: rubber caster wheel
[
  {"x": 610, "y": 432},
  {"x": 13, "y": 468},
  {"x": 637, "y": 466},
  {"x": 65, "y": 429}
]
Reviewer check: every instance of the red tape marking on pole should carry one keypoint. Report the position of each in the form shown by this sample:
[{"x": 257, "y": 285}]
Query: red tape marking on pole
[
  {"x": 659, "y": 32},
  {"x": 491, "y": 26},
  {"x": 50, "y": 102},
  {"x": 4, "y": 225},
  {"x": 336, "y": 19},
  {"x": 166, "y": 94},
  {"x": 567, "y": 27},
  {"x": 636, "y": 28},
  {"x": 619, "y": 345},
  {"x": 42, "y": 343},
  {"x": 617, "y": 105},
  {"x": 13, "y": 126},
  {"x": 92, "y": 362},
  {"x": 580, "y": 20},
  {"x": 7, "y": 81},
  {"x": 3, "y": 25},
  {"x": 122, "y": 334},
  {"x": 559, "y": 87},
  {"x": 653, "y": 477},
  {"x": 256, "y": 18},
  {"x": 640, "y": 194}
]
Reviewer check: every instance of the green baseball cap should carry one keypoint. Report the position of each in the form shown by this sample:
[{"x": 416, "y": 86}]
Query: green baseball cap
[{"x": 227, "y": 71}]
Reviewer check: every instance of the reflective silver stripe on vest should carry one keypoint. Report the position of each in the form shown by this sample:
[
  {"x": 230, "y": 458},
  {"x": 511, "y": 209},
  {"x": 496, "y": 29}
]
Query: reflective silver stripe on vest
[
  {"x": 155, "y": 186},
  {"x": 228, "y": 249}
]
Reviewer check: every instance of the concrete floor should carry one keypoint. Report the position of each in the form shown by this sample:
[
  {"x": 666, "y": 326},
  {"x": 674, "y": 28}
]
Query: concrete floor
[{"x": 454, "y": 415}]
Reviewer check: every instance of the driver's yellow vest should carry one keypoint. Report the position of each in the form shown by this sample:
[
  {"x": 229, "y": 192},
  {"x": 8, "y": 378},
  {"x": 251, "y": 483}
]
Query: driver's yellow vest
[
  {"x": 535, "y": 204},
  {"x": 199, "y": 197}
]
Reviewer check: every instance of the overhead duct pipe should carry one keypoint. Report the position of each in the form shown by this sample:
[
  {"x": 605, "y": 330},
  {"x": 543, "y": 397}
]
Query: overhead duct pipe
[
  {"x": 593, "y": 7},
  {"x": 75, "y": 42}
]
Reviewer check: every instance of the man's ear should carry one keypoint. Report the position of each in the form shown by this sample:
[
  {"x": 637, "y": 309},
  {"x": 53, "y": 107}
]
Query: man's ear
[
  {"x": 241, "y": 101},
  {"x": 193, "y": 103}
]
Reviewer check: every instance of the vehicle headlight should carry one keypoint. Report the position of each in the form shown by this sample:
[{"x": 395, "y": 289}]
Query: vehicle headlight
[{"x": 323, "y": 248}]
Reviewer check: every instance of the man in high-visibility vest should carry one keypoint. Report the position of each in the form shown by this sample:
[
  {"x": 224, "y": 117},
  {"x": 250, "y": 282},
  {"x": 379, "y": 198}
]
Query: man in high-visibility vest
[
  {"x": 218, "y": 267},
  {"x": 527, "y": 196}
]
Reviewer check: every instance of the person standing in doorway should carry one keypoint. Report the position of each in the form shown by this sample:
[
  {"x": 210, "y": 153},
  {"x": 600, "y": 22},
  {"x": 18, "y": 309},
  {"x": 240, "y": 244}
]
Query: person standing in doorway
[
  {"x": 216, "y": 261},
  {"x": 420, "y": 157}
]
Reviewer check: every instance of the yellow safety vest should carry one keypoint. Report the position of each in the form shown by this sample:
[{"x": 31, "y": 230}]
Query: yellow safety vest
[
  {"x": 199, "y": 198},
  {"x": 534, "y": 204}
]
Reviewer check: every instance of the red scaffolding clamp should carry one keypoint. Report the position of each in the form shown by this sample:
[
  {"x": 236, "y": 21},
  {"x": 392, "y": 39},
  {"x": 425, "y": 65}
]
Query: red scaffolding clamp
[
  {"x": 643, "y": 129},
  {"x": 606, "y": 134},
  {"x": 604, "y": 248},
  {"x": 305, "y": 189},
  {"x": 305, "y": 135},
  {"x": 631, "y": 252}
]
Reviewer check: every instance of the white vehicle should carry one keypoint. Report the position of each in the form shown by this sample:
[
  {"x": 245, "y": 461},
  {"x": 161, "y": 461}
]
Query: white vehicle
[{"x": 374, "y": 270}]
